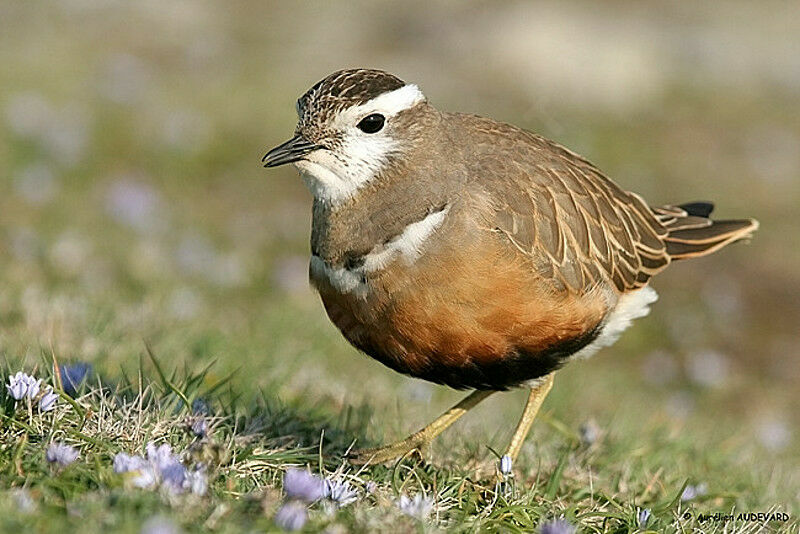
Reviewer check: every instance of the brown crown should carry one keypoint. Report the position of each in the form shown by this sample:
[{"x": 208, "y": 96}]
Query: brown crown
[{"x": 345, "y": 88}]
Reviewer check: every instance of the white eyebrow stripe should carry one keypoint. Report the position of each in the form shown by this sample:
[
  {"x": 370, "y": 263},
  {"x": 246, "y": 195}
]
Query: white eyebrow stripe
[
  {"x": 396, "y": 101},
  {"x": 390, "y": 103}
]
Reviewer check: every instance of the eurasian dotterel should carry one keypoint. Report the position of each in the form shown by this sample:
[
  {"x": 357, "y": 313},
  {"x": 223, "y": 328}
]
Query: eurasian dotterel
[{"x": 472, "y": 253}]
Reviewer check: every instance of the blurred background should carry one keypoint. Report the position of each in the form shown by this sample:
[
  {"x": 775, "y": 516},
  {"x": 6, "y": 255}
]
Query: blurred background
[{"x": 133, "y": 205}]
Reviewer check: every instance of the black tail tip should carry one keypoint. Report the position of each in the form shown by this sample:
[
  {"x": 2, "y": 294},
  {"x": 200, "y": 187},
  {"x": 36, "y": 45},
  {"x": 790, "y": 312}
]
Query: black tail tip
[{"x": 698, "y": 209}]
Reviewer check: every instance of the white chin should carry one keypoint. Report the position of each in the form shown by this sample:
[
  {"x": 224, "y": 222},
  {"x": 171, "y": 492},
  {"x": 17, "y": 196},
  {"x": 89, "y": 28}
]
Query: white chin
[{"x": 329, "y": 180}]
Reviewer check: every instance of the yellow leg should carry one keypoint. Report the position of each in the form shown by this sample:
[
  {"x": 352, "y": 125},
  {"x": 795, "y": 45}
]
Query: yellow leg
[
  {"x": 419, "y": 440},
  {"x": 535, "y": 400}
]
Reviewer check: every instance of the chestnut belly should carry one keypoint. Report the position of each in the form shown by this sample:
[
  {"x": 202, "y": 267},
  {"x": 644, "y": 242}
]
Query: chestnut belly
[{"x": 483, "y": 339}]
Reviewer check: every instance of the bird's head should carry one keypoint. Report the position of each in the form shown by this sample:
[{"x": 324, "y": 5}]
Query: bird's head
[{"x": 351, "y": 126}]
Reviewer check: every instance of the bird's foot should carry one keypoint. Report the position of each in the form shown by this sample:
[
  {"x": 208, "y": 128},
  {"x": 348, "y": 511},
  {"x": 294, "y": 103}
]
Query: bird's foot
[
  {"x": 419, "y": 440},
  {"x": 387, "y": 453}
]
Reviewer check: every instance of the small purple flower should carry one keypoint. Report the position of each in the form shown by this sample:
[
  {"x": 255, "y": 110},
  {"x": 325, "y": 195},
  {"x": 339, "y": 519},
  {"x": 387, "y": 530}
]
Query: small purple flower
[
  {"x": 168, "y": 468},
  {"x": 291, "y": 516},
  {"x": 24, "y": 501},
  {"x": 200, "y": 406},
  {"x": 48, "y": 400},
  {"x": 33, "y": 387},
  {"x": 145, "y": 478},
  {"x": 125, "y": 463},
  {"x": 339, "y": 492},
  {"x": 200, "y": 427},
  {"x": 300, "y": 484},
  {"x": 506, "y": 465},
  {"x": 774, "y": 434},
  {"x": 558, "y": 526},
  {"x": 173, "y": 477},
  {"x": 643, "y": 517},
  {"x": 134, "y": 204},
  {"x": 73, "y": 375},
  {"x": 692, "y": 492},
  {"x": 160, "y": 525},
  {"x": 142, "y": 473},
  {"x": 197, "y": 482},
  {"x": 17, "y": 387},
  {"x": 23, "y": 385},
  {"x": 161, "y": 457},
  {"x": 419, "y": 506},
  {"x": 589, "y": 432},
  {"x": 61, "y": 454},
  {"x": 161, "y": 467}
]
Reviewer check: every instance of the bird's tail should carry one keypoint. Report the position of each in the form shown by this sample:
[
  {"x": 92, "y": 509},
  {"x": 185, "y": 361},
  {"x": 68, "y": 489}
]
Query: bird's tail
[{"x": 692, "y": 234}]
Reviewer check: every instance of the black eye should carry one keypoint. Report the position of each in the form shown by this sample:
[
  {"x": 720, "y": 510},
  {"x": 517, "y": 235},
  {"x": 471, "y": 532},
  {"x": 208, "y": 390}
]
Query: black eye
[{"x": 372, "y": 123}]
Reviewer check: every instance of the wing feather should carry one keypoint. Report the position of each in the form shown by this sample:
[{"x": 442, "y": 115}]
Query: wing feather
[{"x": 577, "y": 226}]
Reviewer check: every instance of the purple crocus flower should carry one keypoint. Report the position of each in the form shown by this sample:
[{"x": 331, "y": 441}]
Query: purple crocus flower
[
  {"x": 161, "y": 456},
  {"x": 506, "y": 465},
  {"x": 61, "y": 454},
  {"x": 200, "y": 406},
  {"x": 291, "y": 516},
  {"x": 73, "y": 375},
  {"x": 48, "y": 400},
  {"x": 167, "y": 467},
  {"x": 419, "y": 506},
  {"x": 339, "y": 492},
  {"x": 160, "y": 525},
  {"x": 23, "y": 385},
  {"x": 143, "y": 475},
  {"x": 558, "y": 526},
  {"x": 161, "y": 467},
  {"x": 200, "y": 427},
  {"x": 125, "y": 463},
  {"x": 692, "y": 492},
  {"x": 302, "y": 485},
  {"x": 33, "y": 387},
  {"x": 173, "y": 477},
  {"x": 589, "y": 432},
  {"x": 17, "y": 386},
  {"x": 197, "y": 482},
  {"x": 643, "y": 517},
  {"x": 23, "y": 500}
]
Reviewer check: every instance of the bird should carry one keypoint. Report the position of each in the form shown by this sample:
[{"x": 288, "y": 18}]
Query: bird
[{"x": 469, "y": 252}]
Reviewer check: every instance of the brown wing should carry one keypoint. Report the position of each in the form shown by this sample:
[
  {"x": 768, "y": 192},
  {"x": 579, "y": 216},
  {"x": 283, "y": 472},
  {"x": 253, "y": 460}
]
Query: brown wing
[{"x": 577, "y": 227}]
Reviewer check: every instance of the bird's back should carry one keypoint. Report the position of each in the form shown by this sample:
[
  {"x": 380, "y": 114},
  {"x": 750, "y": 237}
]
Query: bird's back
[{"x": 576, "y": 226}]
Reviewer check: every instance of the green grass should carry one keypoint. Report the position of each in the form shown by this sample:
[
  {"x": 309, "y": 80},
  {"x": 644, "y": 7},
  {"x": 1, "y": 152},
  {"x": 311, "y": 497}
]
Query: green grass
[{"x": 254, "y": 438}]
